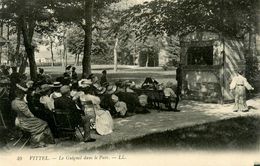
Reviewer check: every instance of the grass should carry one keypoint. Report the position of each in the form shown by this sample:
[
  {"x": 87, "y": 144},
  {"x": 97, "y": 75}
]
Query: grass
[
  {"x": 241, "y": 133},
  {"x": 137, "y": 74}
]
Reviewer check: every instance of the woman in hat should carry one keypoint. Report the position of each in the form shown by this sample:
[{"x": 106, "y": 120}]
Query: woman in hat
[
  {"x": 100, "y": 119},
  {"x": 120, "y": 106},
  {"x": 239, "y": 85},
  {"x": 56, "y": 90},
  {"x": 130, "y": 86},
  {"x": 47, "y": 101},
  {"x": 39, "y": 130},
  {"x": 106, "y": 101},
  {"x": 46, "y": 107}
]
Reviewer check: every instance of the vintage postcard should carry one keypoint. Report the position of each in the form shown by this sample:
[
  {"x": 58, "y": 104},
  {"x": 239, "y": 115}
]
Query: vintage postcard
[{"x": 130, "y": 82}]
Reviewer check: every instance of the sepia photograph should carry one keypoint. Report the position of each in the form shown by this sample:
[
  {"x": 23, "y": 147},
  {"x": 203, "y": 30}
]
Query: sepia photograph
[{"x": 130, "y": 82}]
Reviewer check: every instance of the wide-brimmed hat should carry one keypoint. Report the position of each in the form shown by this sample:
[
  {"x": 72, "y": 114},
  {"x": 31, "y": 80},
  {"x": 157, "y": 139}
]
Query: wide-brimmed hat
[
  {"x": 21, "y": 87},
  {"x": 29, "y": 83},
  {"x": 111, "y": 89},
  {"x": 56, "y": 84},
  {"x": 101, "y": 90},
  {"x": 84, "y": 83},
  {"x": 68, "y": 67},
  {"x": 43, "y": 88}
]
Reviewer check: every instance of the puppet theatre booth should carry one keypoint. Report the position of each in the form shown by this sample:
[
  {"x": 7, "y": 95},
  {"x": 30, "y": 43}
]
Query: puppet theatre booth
[{"x": 209, "y": 62}]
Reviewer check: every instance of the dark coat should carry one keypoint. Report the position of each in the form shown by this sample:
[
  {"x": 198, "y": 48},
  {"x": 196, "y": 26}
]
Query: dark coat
[
  {"x": 74, "y": 75},
  {"x": 65, "y": 103},
  {"x": 179, "y": 80},
  {"x": 131, "y": 100},
  {"x": 107, "y": 103},
  {"x": 103, "y": 81}
]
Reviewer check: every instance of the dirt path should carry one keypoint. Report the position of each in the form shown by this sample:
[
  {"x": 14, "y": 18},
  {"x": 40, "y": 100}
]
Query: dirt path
[{"x": 192, "y": 113}]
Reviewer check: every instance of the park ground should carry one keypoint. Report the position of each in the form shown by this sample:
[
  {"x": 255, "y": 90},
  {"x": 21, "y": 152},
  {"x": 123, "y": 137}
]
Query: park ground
[{"x": 199, "y": 126}]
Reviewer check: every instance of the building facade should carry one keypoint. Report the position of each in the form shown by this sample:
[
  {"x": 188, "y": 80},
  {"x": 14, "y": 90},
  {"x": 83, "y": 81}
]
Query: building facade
[{"x": 209, "y": 61}]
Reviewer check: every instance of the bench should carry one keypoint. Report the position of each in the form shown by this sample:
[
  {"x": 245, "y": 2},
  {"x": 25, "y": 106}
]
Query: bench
[{"x": 155, "y": 97}]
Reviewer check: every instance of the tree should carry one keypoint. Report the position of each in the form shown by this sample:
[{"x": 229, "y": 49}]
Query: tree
[
  {"x": 230, "y": 17},
  {"x": 82, "y": 12},
  {"x": 27, "y": 15}
]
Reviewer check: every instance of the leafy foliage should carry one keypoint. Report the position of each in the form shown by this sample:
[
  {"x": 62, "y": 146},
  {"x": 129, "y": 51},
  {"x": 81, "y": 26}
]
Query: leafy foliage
[{"x": 230, "y": 17}]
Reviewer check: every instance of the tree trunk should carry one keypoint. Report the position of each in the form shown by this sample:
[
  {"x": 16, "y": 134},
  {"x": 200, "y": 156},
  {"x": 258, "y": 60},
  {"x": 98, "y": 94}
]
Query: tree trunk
[
  {"x": 115, "y": 54},
  {"x": 52, "y": 56},
  {"x": 78, "y": 60},
  {"x": 8, "y": 44},
  {"x": 1, "y": 34},
  {"x": 17, "y": 49},
  {"x": 66, "y": 58},
  {"x": 86, "y": 61},
  {"x": 75, "y": 60},
  {"x": 147, "y": 60},
  {"x": 27, "y": 38},
  {"x": 64, "y": 50},
  {"x": 61, "y": 58},
  {"x": 23, "y": 65}
]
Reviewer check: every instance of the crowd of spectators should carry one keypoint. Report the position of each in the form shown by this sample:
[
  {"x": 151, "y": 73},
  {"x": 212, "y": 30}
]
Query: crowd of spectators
[{"x": 92, "y": 103}]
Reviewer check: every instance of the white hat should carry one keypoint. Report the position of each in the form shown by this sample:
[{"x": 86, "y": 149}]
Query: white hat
[
  {"x": 121, "y": 108},
  {"x": 56, "y": 84},
  {"x": 114, "y": 98},
  {"x": 111, "y": 89},
  {"x": 29, "y": 84},
  {"x": 21, "y": 87},
  {"x": 84, "y": 83}
]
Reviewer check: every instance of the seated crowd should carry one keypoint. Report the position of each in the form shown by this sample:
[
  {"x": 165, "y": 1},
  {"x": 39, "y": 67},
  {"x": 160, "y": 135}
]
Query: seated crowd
[{"x": 92, "y": 104}]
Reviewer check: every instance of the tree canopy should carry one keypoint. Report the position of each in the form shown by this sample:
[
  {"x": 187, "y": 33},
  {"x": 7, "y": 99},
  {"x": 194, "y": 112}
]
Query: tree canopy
[{"x": 230, "y": 17}]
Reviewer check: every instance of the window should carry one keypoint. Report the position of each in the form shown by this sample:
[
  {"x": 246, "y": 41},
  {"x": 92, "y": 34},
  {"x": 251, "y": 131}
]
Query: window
[{"x": 200, "y": 55}]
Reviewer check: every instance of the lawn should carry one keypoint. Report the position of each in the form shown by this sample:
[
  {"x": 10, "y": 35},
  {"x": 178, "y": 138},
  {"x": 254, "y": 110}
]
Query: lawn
[{"x": 134, "y": 73}]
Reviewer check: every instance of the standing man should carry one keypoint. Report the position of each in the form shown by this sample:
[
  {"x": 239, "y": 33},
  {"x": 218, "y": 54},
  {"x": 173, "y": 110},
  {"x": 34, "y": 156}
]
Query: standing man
[
  {"x": 239, "y": 85},
  {"x": 179, "y": 86},
  {"x": 103, "y": 79},
  {"x": 66, "y": 76},
  {"x": 74, "y": 75}
]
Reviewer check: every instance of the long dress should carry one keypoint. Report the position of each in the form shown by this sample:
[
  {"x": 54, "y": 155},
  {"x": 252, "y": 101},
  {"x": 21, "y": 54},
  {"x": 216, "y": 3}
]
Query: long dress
[
  {"x": 25, "y": 120},
  {"x": 239, "y": 84},
  {"x": 102, "y": 120}
]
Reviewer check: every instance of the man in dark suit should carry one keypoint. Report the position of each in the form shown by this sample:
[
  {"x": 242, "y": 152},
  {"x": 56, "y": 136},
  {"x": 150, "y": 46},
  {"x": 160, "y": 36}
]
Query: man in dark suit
[
  {"x": 179, "y": 86},
  {"x": 103, "y": 79},
  {"x": 66, "y": 103}
]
